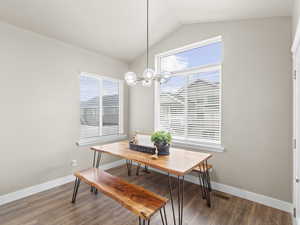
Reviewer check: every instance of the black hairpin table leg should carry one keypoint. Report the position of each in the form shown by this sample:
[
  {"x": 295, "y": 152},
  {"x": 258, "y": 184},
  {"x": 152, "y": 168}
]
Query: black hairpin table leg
[
  {"x": 171, "y": 197},
  {"x": 129, "y": 166},
  {"x": 180, "y": 185}
]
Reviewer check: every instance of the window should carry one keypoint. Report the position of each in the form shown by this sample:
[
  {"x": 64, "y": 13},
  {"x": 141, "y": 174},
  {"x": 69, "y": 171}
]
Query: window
[
  {"x": 188, "y": 104},
  {"x": 101, "y": 102}
]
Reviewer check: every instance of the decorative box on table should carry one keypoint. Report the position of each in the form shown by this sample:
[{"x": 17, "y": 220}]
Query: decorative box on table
[
  {"x": 142, "y": 148},
  {"x": 141, "y": 142}
]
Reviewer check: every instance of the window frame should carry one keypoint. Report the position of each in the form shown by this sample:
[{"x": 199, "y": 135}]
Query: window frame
[
  {"x": 203, "y": 145},
  {"x": 83, "y": 141}
]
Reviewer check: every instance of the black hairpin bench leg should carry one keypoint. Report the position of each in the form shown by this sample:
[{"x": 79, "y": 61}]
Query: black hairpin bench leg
[
  {"x": 143, "y": 221},
  {"x": 205, "y": 184},
  {"x": 163, "y": 217},
  {"x": 76, "y": 186},
  {"x": 208, "y": 180},
  {"x": 201, "y": 185},
  {"x": 138, "y": 169},
  {"x": 129, "y": 166},
  {"x": 146, "y": 169},
  {"x": 96, "y": 164}
]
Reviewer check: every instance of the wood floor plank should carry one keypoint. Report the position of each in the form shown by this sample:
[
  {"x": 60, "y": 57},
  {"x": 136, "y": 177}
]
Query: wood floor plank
[{"x": 53, "y": 207}]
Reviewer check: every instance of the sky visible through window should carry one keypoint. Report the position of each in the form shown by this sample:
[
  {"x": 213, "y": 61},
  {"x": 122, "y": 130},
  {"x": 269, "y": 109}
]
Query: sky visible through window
[
  {"x": 196, "y": 57},
  {"x": 90, "y": 88},
  {"x": 206, "y": 55},
  {"x": 110, "y": 87}
]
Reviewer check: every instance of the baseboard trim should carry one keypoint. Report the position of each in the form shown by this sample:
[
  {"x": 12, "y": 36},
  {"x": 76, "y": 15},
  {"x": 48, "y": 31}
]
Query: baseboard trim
[
  {"x": 262, "y": 199},
  {"x": 10, "y": 197},
  {"x": 296, "y": 221},
  {"x": 259, "y": 198}
]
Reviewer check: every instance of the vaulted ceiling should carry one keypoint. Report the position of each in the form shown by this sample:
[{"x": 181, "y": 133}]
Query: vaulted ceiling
[{"x": 117, "y": 27}]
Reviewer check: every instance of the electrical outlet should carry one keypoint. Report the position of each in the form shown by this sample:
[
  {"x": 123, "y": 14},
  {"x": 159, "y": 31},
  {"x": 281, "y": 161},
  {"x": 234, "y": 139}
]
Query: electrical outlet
[{"x": 74, "y": 163}]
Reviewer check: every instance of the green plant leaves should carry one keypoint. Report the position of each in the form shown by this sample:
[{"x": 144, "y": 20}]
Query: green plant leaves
[{"x": 161, "y": 136}]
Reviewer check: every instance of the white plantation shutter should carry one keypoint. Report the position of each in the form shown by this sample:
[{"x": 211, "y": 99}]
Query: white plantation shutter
[
  {"x": 190, "y": 107},
  {"x": 100, "y": 106},
  {"x": 203, "y": 107},
  {"x": 89, "y": 107},
  {"x": 110, "y": 107},
  {"x": 172, "y": 106}
]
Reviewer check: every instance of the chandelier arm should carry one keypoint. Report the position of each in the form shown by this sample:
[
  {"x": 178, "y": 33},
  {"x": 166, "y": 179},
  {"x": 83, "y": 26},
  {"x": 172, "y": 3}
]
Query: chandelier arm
[{"x": 153, "y": 79}]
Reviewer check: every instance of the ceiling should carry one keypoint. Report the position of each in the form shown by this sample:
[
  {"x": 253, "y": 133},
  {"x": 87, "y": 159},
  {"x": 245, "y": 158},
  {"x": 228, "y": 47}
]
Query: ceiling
[
  {"x": 192, "y": 11},
  {"x": 117, "y": 27}
]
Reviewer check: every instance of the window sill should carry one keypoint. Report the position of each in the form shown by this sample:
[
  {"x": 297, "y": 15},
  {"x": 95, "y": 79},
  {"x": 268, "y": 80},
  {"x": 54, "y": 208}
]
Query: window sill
[
  {"x": 198, "y": 146},
  {"x": 101, "y": 140}
]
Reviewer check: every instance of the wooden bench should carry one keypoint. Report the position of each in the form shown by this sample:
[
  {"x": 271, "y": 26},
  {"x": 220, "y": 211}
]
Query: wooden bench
[
  {"x": 137, "y": 199},
  {"x": 201, "y": 168}
]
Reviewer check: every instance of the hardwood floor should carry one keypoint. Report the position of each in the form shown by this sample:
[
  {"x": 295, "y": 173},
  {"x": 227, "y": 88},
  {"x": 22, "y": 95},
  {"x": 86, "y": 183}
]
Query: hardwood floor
[{"x": 54, "y": 207}]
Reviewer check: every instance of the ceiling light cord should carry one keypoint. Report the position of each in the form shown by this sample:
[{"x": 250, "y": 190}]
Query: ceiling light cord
[
  {"x": 147, "y": 33},
  {"x": 149, "y": 75}
]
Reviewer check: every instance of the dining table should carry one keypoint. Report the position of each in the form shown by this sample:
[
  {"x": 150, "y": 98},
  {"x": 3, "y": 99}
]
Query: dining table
[{"x": 178, "y": 164}]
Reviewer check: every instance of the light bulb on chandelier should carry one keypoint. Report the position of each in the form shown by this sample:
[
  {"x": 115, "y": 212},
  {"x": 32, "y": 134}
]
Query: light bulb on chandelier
[
  {"x": 148, "y": 74},
  {"x": 130, "y": 78}
]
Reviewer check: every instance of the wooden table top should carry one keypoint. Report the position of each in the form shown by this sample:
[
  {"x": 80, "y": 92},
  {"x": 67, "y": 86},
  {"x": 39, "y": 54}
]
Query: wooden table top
[{"x": 180, "y": 161}]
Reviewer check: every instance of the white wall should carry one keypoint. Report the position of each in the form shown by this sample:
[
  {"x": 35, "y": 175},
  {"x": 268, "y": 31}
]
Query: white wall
[
  {"x": 296, "y": 16},
  {"x": 39, "y": 96},
  {"x": 257, "y": 102}
]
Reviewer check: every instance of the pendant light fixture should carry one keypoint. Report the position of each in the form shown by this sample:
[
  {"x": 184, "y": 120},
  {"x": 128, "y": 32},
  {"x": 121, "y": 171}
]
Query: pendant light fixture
[{"x": 149, "y": 75}]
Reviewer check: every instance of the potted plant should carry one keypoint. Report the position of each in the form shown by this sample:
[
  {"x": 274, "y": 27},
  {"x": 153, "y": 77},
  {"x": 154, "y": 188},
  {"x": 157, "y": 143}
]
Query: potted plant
[{"x": 162, "y": 140}]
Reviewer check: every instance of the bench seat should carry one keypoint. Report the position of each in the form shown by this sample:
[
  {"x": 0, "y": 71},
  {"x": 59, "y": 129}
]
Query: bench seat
[
  {"x": 201, "y": 168},
  {"x": 135, "y": 198}
]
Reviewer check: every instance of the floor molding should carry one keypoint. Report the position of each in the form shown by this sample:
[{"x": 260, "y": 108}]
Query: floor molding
[
  {"x": 262, "y": 199},
  {"x": 10, "y": 197},
  {"x": 296, "y": 221}
]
